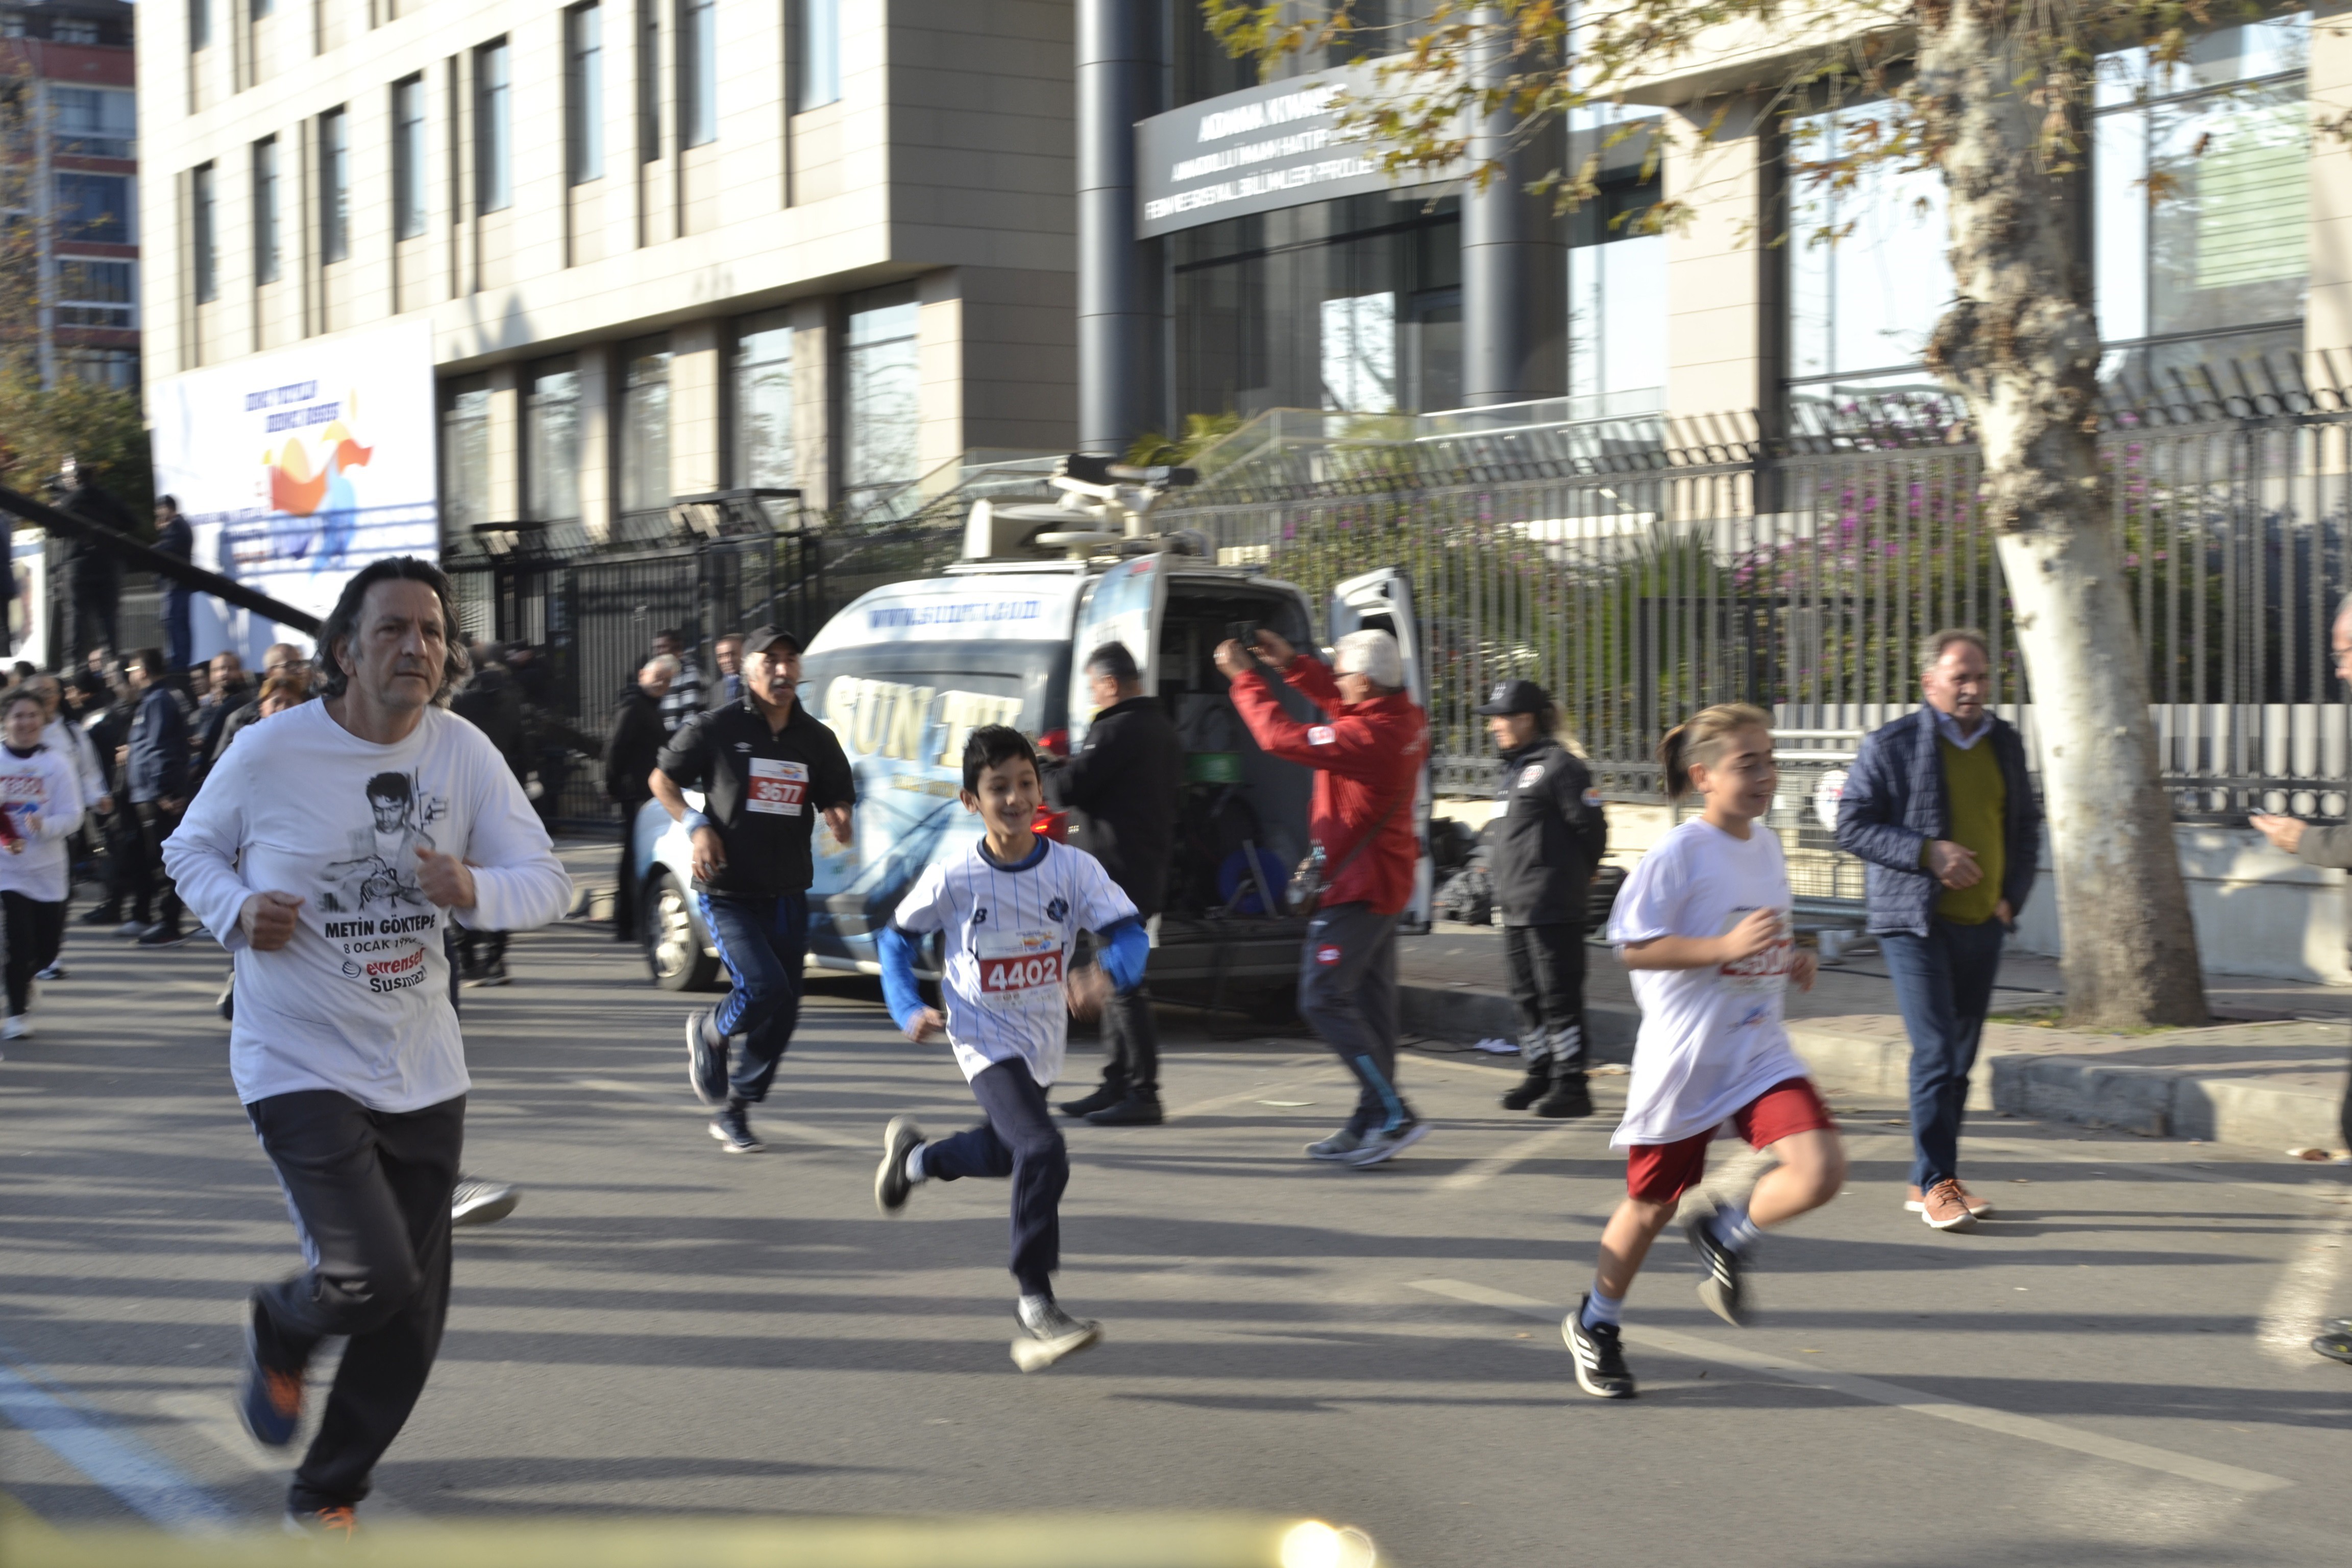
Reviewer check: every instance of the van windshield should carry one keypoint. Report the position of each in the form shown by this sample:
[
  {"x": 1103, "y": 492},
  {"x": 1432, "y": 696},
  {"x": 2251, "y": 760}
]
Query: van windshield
[{"x": 915, "y": 702}]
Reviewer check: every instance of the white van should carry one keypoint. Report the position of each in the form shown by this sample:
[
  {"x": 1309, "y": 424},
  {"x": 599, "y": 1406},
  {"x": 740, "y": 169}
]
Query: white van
[{"x": 905, "y": 673}]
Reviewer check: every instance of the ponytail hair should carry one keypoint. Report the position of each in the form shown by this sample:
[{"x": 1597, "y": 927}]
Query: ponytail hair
[{"x": 1695, "y": 740}]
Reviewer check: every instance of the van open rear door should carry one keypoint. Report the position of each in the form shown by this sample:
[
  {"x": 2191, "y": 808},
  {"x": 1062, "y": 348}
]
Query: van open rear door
[
  {"x": 1383, "y": 601},
  {"x": 1125, "y": 605}
]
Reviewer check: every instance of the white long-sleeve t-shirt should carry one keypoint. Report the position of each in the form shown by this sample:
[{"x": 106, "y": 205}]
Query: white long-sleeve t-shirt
[
  {"x": 42, "y": 797},
  {"x": 358, "y": 1001},
  {"x": 72, "y": 742}
]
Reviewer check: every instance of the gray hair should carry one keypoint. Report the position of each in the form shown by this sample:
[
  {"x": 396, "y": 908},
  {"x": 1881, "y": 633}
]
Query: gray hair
[
  {"x": 665, "y": 665},
  {"x": 1931, "y": 651},
  {"x": 1374, "y": 654}
]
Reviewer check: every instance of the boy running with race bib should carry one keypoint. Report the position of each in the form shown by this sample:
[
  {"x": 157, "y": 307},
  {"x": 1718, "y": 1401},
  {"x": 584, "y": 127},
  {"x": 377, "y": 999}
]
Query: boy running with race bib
[
  {"x": 1705, "y": 925},
  {"x": 1012, "y": 907}
]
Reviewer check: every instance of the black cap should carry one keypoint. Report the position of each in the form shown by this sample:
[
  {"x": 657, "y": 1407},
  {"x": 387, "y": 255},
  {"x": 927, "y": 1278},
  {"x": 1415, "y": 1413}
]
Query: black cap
[
  {"x": 759, "y": 639},
  {"x": 1514, "y": 696}
]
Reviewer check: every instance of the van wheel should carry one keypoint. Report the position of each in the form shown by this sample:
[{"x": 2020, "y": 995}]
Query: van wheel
[{"x": 677, "y": 951}]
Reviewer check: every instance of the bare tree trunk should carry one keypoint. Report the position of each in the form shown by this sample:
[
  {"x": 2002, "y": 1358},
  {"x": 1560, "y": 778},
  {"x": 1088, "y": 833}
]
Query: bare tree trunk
[{"x": 2021, "y": 344}]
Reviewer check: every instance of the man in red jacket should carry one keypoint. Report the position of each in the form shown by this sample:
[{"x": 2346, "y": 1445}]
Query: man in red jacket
[{"x": 1367, "y": 756}]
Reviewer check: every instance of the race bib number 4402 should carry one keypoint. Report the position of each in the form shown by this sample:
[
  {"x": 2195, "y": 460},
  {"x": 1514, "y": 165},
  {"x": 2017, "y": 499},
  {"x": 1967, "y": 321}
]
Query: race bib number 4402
[
  {"x": 778, "y": 788},
  {"x": 1020, "y": 969}
]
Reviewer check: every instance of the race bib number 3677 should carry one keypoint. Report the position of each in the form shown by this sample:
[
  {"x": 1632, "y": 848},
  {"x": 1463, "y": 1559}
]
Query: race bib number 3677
[
  {"x": 1019, "y": 969},
  {"x": 777, "y": 788}
]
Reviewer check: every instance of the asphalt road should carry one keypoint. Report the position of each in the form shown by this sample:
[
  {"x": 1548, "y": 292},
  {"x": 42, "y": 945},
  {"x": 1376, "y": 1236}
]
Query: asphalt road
[{"x": 2112, "y": 1373}]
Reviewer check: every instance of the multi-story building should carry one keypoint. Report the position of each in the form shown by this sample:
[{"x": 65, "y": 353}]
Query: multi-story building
[
  {"x": 66, "y": 66},
  {"x": 665, "y": 247}
]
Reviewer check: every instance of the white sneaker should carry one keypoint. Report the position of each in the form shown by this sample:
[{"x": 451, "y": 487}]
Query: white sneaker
[{"x": 19, "y": 1027}]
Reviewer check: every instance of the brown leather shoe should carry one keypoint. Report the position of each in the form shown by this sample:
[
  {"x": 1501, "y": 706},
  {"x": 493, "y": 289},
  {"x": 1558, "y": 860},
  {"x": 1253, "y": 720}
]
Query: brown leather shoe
[
  {"x": 1944, "y": 1208},
  {"x": 1980, "y": 1207}
]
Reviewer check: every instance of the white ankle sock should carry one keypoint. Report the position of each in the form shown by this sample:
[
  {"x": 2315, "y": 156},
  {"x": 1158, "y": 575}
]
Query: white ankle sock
[
  {"x": 1033, "y": 1309},
  {"x": 1732, "y": 1227},
  {"x": 915, "y": 1162},
  {"x": 1600, "y": 1309}
]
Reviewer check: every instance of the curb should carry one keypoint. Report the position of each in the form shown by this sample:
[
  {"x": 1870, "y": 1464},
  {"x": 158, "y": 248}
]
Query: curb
[{"x": 2153, "y": 1102}]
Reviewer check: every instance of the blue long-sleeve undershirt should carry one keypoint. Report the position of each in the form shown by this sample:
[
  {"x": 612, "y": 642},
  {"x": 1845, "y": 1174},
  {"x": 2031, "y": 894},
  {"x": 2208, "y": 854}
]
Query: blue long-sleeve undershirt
[{"x": 1124, "y": 951}]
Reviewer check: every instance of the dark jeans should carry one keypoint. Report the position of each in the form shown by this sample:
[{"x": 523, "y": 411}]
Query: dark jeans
[
  {"x": 368, "y": 1190},
  {"x": 1348, "y": 992},
  {"x": 148, "y": 880},
  {"x": 1943, "y": 983},
  {"x": 1547, "y": 970},
  {"x": 1018, "y": 1140},
  {"x": 179, "y": 633},
  {"x": 762, "y": 942},
  {"x": 94, "y": 619},
  {"x": 1131, "y": 1042},
  {"x": 624, "y": 888},
  {"x": 36, "y": 929}
]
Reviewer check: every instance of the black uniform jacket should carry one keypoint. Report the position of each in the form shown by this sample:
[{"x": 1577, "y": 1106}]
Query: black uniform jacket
[
  {"x": 1126, "y": 783},
  {"x": 1547, "y": 835},
  {"x": 763, "y": 790}
]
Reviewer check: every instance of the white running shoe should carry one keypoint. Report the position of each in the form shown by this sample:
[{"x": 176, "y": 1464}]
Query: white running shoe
[
  {"x": 1053, "y": 1335},
  {"x": 19, "y": 1027}
]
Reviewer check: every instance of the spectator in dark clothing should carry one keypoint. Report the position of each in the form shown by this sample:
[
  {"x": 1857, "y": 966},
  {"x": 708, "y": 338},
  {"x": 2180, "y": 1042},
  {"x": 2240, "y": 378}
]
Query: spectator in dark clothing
[
  {"x": 686, "y": 690},
  {"x": 156, "y": 776},
  {"x": 117, "y": 829},
  {"x": 281, "y": 659},
  {"x": 727, "y": 654},
  {"x": 490, "y": 702},
  {"x": 233, "y": 692},
  {"x": 1127, "y": 783},
  {"x": 631, "y": 748},
  {"x": 175, "y": 539},
  {"x": 93, "y": 571}
]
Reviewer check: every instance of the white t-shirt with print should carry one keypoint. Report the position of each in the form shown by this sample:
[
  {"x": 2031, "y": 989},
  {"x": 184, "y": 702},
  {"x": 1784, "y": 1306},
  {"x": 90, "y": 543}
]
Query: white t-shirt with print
[
  {"x": 42, "y": 797},
  {"x": 358, "y": 1002},
  {"x": 1009, "y": 932},
  {"x": 1713, "y": 1039}
]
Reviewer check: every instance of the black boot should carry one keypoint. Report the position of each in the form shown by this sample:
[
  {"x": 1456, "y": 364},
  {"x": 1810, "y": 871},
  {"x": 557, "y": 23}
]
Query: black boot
[
  {"x": 1109, "y": 1093},
  {"x": 1138, "y": 1107},
  {"x": 1568, "y": 1096},
  {"x": 1531, "y": 1088}
]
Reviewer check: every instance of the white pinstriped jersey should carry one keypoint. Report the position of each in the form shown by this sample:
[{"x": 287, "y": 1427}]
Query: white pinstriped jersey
[{"x": 1010, "y": 932}]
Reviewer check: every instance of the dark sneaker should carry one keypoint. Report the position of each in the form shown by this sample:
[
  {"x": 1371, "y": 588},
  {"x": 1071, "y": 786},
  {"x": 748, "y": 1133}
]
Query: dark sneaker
[
  {"x": 329, "y": 1524},
  {"x": 54, "y": 972},
  {"x": 1721, "y": 1288},
  {"x": 1048, "y": 1336},
  {"x": 478, "y": 1202},
  {"x": 269, "y": 1395},
  {"x": 891, "y": 1183},
  {"x": 1600, "y": 1369},
  {"x": 102, "y": 915},
  {"x": 494, "y": 973},
  {"x": 733, "y": 1130},
  {"x": 1530, "y": 1088},
  {"x": 1109, "y": 1092},
  {"x": 706, "y": 1061},
  {"x": 130, "y": 928},
  {"x": 1139, "y": 1108},
  {"x": 1570, "y": 1096},
  {"x": 1338, "y": 1146},
  {"x": 161, "y": 935},
  {"x": 1388, "y": 1145},
  {"x": 226, "y": 1002}
]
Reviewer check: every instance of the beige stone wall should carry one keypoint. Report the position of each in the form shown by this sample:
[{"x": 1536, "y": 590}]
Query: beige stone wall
[
  {"x": 2328, "y": 321},
  {"x": 1715, "y": 271}
]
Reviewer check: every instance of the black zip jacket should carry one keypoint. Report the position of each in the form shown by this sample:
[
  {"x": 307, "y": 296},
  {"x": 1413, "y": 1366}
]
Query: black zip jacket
[
  {"x": 1546, "y": 837},
  {"x": 1126, "y": 783},
  {"x": 762, "y": 790}
]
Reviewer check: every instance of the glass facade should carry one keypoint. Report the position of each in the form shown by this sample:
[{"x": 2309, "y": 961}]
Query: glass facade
[
  {"x": 203, "y": 234},
  {"x": 465, "y": 454},
  {"x": 493, "y": 127},
  {"x": 817, "y": 81},
  {"x": 583, "y": 93},
  {"x": 1617, "y": 287},
  {"x": 550, "y": 441},
  {"x": 881, "y": 394},
  {"x": 265, "y": 210},
  {"x": 334, "y": 185},
  {"x": 762, "y": 402},
  {"x": 408, "y": 157},
  {"x": 698, "y": 72},
  {"x": 645, "y": 424}
]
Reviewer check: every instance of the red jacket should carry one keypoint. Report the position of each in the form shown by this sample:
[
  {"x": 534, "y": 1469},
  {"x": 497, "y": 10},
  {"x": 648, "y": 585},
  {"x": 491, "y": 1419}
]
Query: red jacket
[{"x": 1367, "y": 760}]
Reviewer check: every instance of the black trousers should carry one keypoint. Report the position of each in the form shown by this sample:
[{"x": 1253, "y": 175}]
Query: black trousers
[
  {"x": 148, "y": 885},
  {"x": 1348, "y": 994},
  {"x": 1018, "y": 1140},
  {"x": 1547, "y": 972},
  {"x": 624, "y": 888},
  {"x": 95, "y": 615},
  {"x": 1131, "y": 1042},
  {"x": 35, "y": 928},
  {"x": 368, "y": 1190}
]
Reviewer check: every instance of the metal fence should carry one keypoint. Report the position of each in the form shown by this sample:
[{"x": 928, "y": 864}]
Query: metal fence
[{"x": 1639, "y": 585}]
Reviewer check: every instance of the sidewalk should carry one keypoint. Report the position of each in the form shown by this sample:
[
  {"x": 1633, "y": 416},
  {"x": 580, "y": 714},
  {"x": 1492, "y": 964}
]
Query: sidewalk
[{"x": 2270, "y": 1072}]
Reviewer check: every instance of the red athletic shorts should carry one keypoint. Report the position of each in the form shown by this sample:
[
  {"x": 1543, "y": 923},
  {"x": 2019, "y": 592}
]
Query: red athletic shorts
[{"x": 1662, "y": 1172}]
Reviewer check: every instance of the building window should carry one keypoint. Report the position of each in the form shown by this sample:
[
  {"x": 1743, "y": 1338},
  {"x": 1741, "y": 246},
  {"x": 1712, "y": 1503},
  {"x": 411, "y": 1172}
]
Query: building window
[
  {"x": 882, "y": 394},
  {"x": 1617, "y": 286},
  {"x": 493, "y": 129},
  {"x": 200, "y": 23},
  {"x": 550, "y": 442},
  {"x": 645, "y": 424},
  {"x": 261, "y": 8},
  {"x": 2218, "y": 267},
  {"x": 265, "y": 210},
  {"x": 465, "y": 454},
  {"x": 648, "y": 81},
  {"x": 96, "y": 208},
  {"x": 95, "y": 294},
  {"x": 819, "y": 78},
  {"x": 93, "y": 122},
  {"x": 763, "y": 400},
  {"x": 102, "y": 367},
  {"x": 334, "y": 185},
  {"x": 584, "y": 92},
  {"x": 202, "y": 230},
  {"x": 698, "y": 72},
  {"x": 409, "y": 152}
]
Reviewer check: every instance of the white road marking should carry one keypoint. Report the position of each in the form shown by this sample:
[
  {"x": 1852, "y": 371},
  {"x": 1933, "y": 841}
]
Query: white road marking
[
  {"x": 1872, "y": 1391},
  {"x": 2291, "y": 1317},
  {"x": 138, "y": 1475},
  {"x": 1478, "y": 1172},
  {"x": 1245, "y": 1096}
]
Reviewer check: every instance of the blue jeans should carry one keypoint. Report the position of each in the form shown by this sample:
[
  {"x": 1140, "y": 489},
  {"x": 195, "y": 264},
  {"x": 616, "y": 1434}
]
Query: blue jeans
[
  {"x": 762, "y": 942},
  {"x": 1943, "y": 983},
  {"x": 1018, "y": 1140}
]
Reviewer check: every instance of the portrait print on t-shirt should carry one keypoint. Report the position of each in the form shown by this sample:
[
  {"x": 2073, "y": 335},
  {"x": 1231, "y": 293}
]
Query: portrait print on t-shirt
[{"x": 376, "y": 912}]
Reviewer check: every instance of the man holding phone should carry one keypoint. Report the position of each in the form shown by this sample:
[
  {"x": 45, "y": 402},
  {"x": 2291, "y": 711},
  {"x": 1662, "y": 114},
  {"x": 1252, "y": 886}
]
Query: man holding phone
[{"x": 1940, "y": 806}]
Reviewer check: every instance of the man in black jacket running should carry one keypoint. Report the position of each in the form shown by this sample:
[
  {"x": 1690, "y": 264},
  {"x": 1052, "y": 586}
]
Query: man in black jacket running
[
  {"x": 1127, "y": 783},
  {"x": 1543, "y": 844}
]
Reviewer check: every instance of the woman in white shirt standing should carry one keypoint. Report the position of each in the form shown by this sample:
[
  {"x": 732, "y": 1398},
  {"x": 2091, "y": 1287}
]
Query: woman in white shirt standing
[
  {"x": 1706, "y": 924},
  {"x": 41, "y": 801}
]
